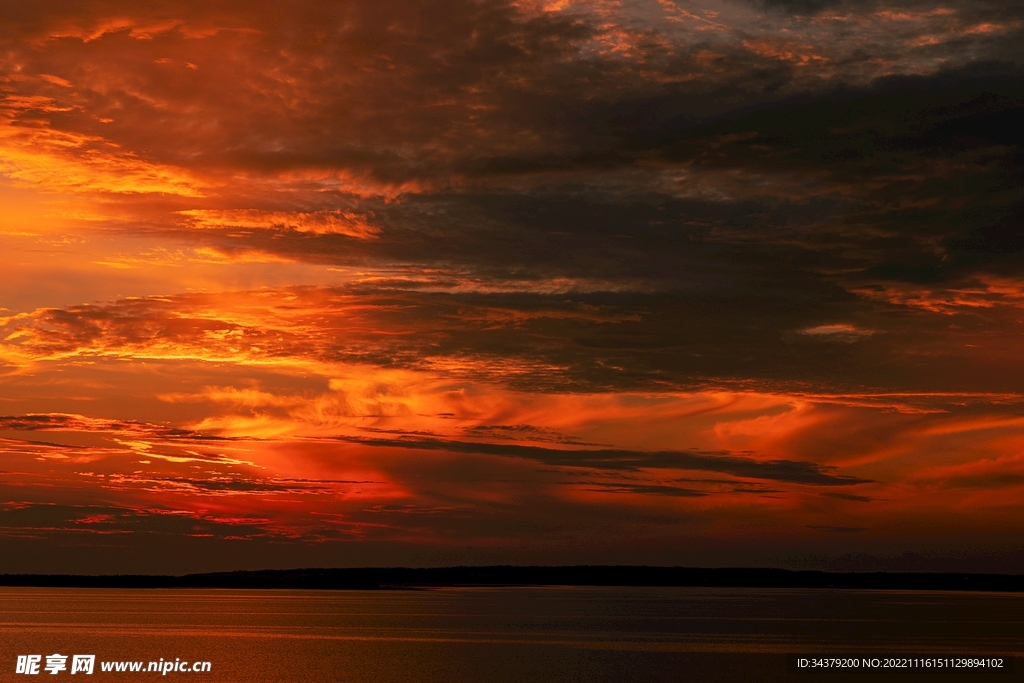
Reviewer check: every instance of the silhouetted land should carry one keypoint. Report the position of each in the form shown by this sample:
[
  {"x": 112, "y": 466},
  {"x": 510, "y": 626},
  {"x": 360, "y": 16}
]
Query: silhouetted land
[{"x": 401, "y": 577}]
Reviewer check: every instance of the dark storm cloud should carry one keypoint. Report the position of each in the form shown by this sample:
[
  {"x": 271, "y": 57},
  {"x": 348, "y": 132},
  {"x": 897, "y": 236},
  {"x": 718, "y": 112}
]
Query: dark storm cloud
[
  {"x": 506, "y": 144},
  {"x": 395, "y": 92},
  {"x": 343, "y": 86},
  {"x": 721, "y": 203},
  {"x": 912, "y": 180},
  {"x": 922, "y": 162},
  {"x": 968, "y": 11}
]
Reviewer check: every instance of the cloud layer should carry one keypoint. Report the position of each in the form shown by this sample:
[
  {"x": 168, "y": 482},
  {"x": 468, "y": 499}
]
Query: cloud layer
[{"x": 430, "y": 282}]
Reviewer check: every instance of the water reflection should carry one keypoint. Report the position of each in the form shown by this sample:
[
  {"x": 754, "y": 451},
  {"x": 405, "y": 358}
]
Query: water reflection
[{"x": 499, "y": 634}]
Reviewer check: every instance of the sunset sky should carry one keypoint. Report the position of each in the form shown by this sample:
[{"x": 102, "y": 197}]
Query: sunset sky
[{"x": 428, "y": 282}]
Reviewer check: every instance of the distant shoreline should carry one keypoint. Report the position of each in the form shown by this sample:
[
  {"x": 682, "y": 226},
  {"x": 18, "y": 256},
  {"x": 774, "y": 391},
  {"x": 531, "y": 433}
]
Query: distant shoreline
[{"x": 384, "y": 578}]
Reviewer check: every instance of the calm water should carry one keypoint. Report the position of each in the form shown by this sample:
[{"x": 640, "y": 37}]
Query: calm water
[{"x": 494, "y": 635}]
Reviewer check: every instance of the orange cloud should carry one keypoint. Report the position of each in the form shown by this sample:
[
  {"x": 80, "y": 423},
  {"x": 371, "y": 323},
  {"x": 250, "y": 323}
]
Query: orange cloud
[
  {"x": 786, "y": 51},
  {"x": 844, "y": 332},
  {"x": 983, "y": 291},
  {"x": 36, "y": 154},
  {"x": 317, "y": 222}
]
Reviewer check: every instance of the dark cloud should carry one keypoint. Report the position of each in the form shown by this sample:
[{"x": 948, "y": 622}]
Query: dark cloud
[
  {"x": 815, "y": 6},
  {"x": 752, "y": 200},
  {"x": 644, "y": 489},
  {"x": 395, "y": 93},
  {"x": 229, "y": 484},
  {"x": 523, "y": 433},
  {"x": 78, "y": 423},
  {"x": 776, "y": 337},
  {"x": 630, "y": 461},
  {"x": 732, "y": 487},
  {"x": 847, "y": 496},
  {"x": 347, "y": 86},
  {"x": 40, "y": 520}
]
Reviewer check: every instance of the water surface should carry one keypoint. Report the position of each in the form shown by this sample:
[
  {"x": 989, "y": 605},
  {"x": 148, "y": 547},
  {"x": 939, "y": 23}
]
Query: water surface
[{"x": 497, "y": 635}]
